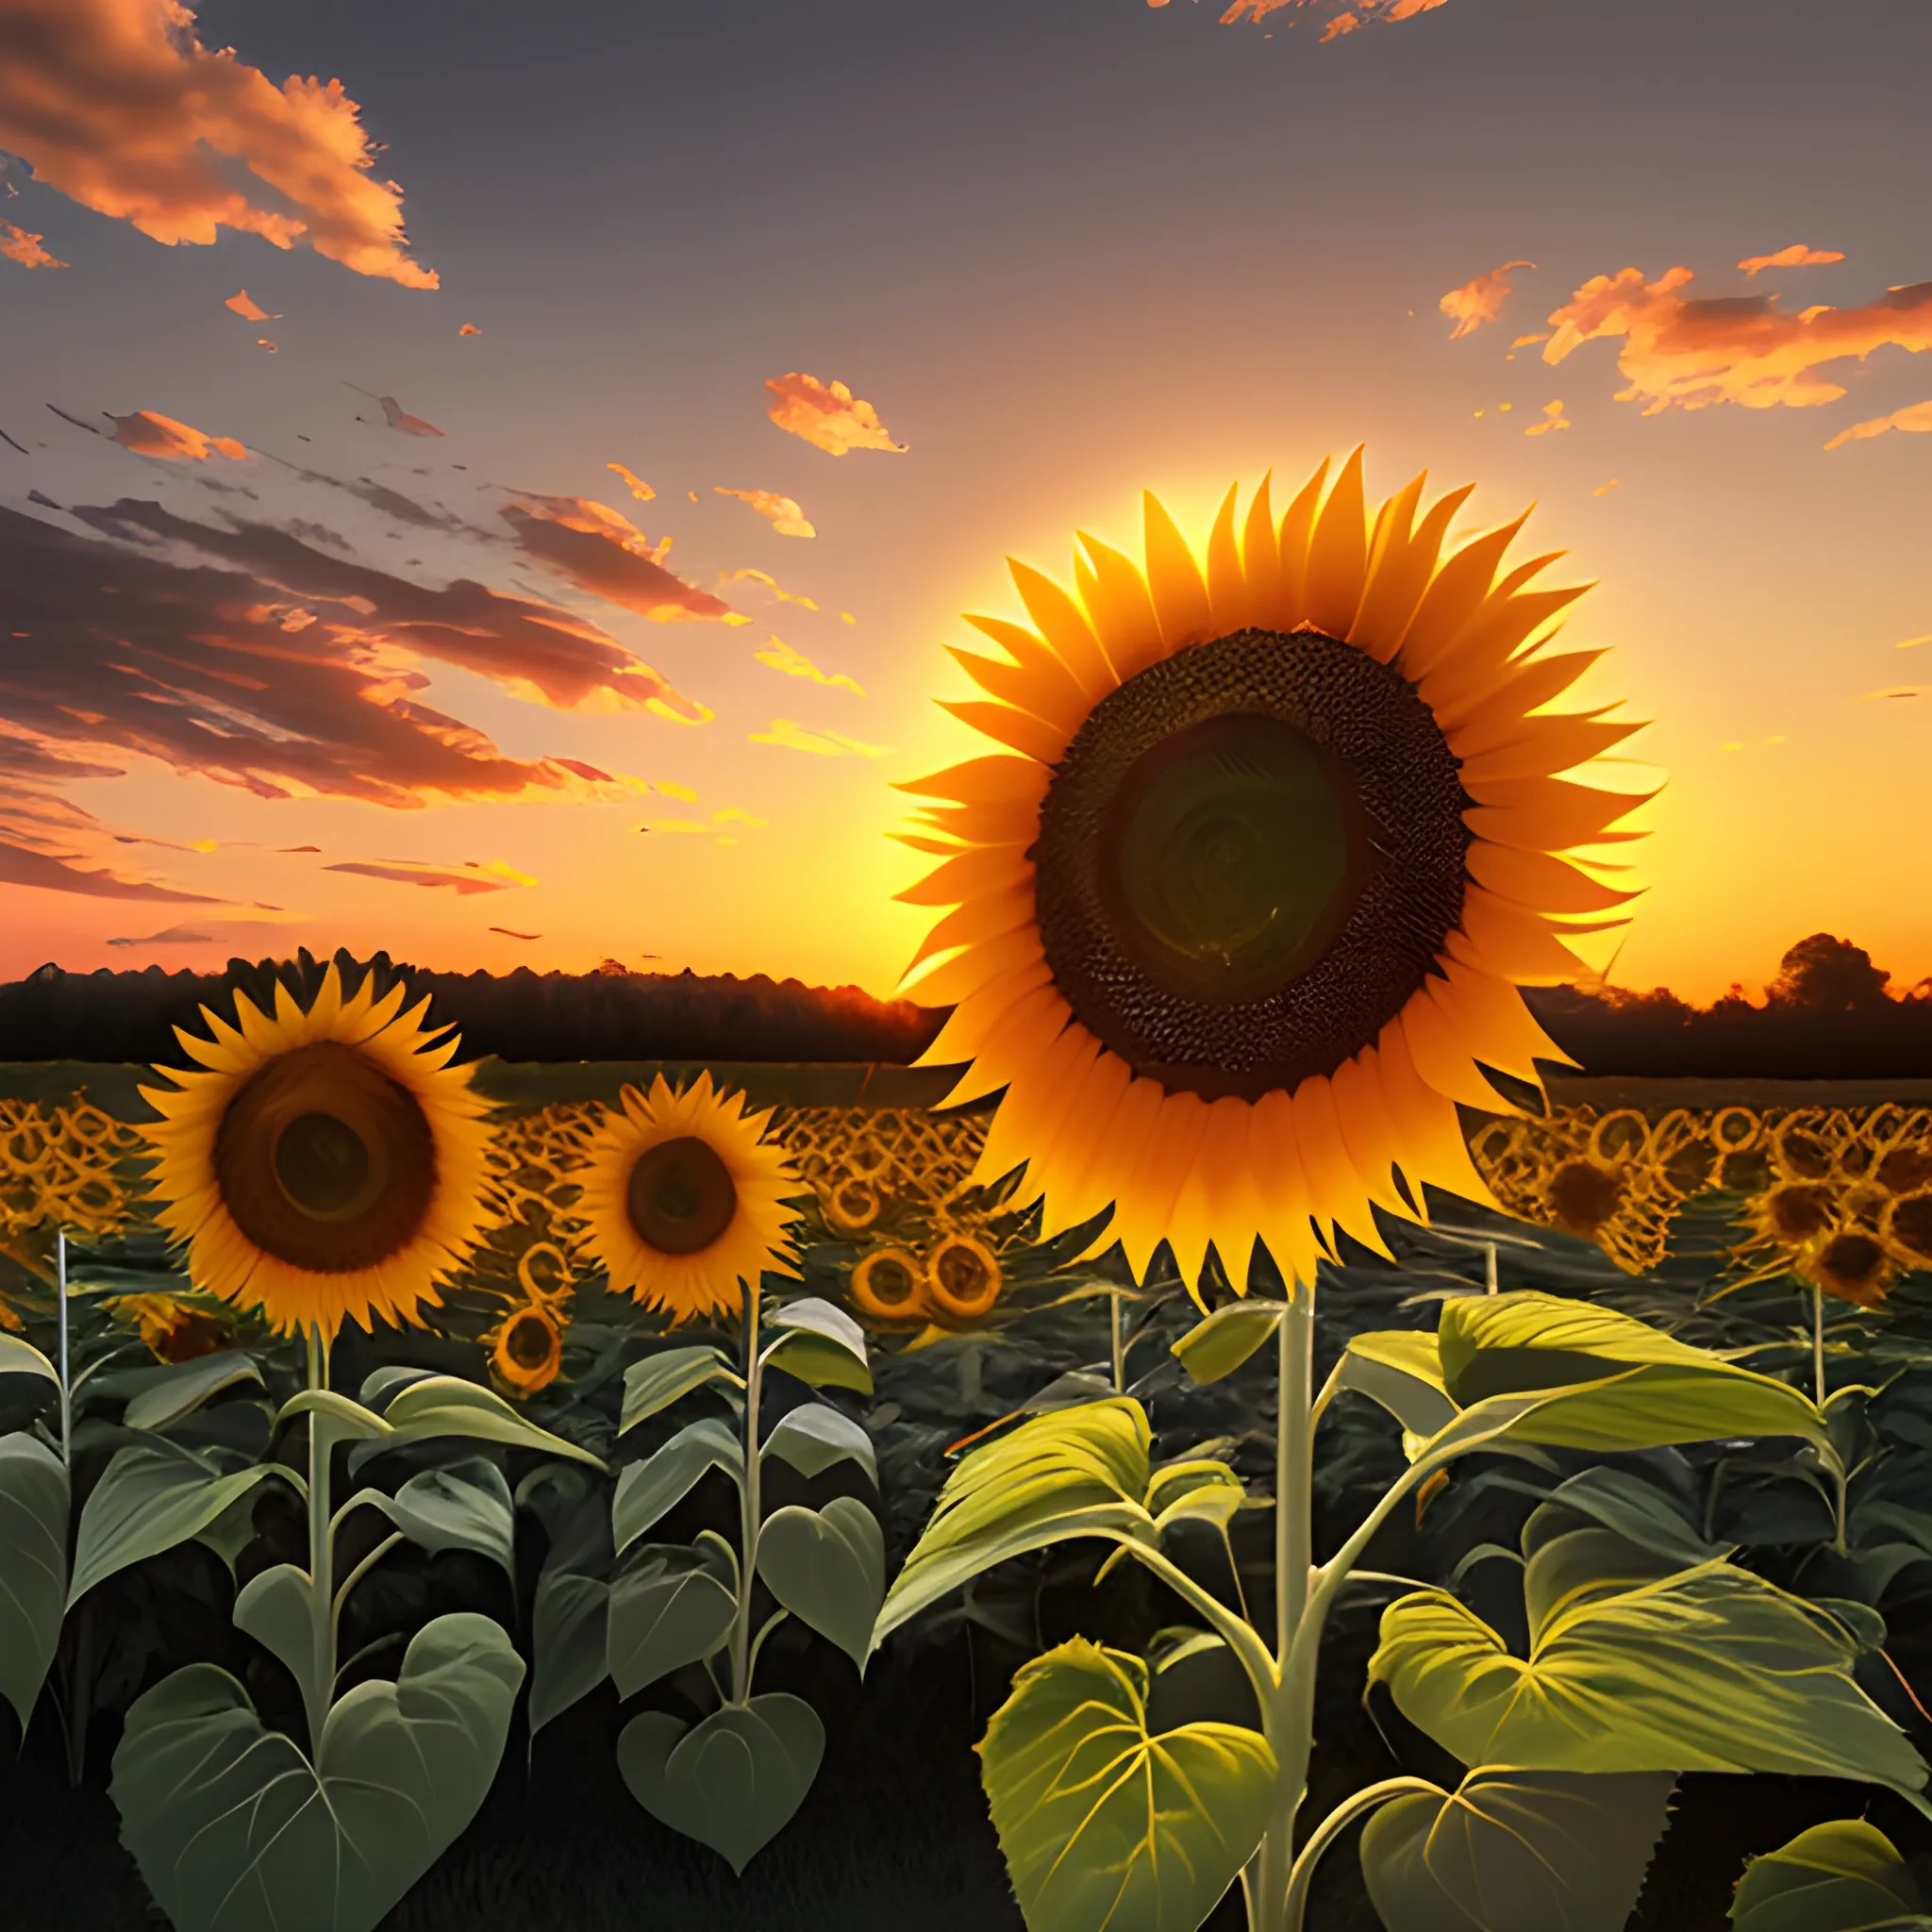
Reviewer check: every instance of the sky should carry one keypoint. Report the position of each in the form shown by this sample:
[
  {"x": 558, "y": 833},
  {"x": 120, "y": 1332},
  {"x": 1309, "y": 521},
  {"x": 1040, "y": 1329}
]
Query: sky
[{"x": 496, "y": 485}]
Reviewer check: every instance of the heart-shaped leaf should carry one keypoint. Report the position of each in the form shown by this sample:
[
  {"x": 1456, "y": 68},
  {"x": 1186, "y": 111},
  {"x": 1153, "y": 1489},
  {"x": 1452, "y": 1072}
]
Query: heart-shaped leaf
[
  {"x": 275, "y": 1608},
  {"x": 666, "y": 1611},
  {"x": 734, "y": 1780},
  {"x": 1105, "y": 1824},
  {"x": 1845, "y": 1876},
  {"x": 814, "y": 1435},
  {"x": 647, "y": 1491},
  {"x": 465, "y": 1507},
  {"x": 1218, "y": 1344},
  {"x": 33, "y": 1565},
  {"x": 234, "y": 1829},
  {"x": 827, "y": 1567},
  {"x": 1516, "y": 1851},
  {"x": 153, "y": 1497},
  {"x": 568, "y": 1614},
  {"x": 659, "y": 1380}
]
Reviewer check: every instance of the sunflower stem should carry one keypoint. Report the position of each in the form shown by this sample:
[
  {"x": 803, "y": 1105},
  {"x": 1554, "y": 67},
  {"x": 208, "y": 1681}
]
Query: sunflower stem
[
  {"x": 66, "y": 1379},
  {"x": 1293, "y": 1444},
  {"x": 1118, "y": 1346},
  {"x": 321, "y": 1664},
  {"x": 743, "y": 1656},
  {"x": 1818, "y": 1346}
]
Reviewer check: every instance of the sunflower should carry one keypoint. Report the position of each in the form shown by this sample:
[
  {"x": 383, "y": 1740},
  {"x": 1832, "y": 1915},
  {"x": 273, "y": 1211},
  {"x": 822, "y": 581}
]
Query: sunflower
[
  {"x": 887, "y": 1284},
  {"x": 1853, "y": 1265},
  {"x": 1239, "y": 908},
  {"x": 1909, "y": 1228},
  {"x": 172, "y": 1330},
  {"x": 328, "y": 1164},
  {"x": 962, "y": 1279},
  {"x": 685, "y": 1198},
  {"x": 527, "y": 1349}
]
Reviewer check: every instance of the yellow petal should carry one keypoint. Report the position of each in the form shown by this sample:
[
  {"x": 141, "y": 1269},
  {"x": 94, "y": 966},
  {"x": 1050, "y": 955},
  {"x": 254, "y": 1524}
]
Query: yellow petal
[
  {"x": 1506, "y": 698},
  {"x": 1069, "y": 1178},
  {"x": 1338, "y": 1193},
  {"x": 1116, "y": 596},
  {"x": 1548, "y": 814},
  {"x": 1038, "y": 684},
  {"x": 1338, "y": 554},
  {"x": 1065, "y": 626},
  {"x": 1396, "y": 577},
  {"x": 993, "y": 780},
  {"x": 958, "y": 978},
  {"x": 1227, "y": 585},
  {"x": 1205, "y": 1210},
  {"x": 1146, "y": 1203},
  {"x": 1298, "y": 523},
  {"x": 1036, "y": 1103},
  {"x": 969, "y": 875},
  {"x": 1283, "y": 1188},
  {"x": 1539, "y": 747},
  {"x": 1515, "y": 942},
  {"x": 1006, "y": 726},
  {"x": 982, "y": 918},
  {"x": 1433, "y": 1148},
  {"x": 1367, "y": 1131},
  {"x": 1455, "y": 597},
  {"x": 1261, "y": 559},
  {"x": 1500, "y": 1030},
  {"x": 1540, "y": 880},
  {"x": 1173, "y": 578},
  {"x": 1442, "y": 1054}
]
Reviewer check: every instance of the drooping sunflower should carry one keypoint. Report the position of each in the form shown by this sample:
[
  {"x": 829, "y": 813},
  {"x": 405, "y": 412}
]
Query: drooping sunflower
[
  {"x": 173, "y": 1330},
  {"x": 1240, "y": 903},
  {"x": 962, "y": 1279},
  {"x": 886, "y": 1286},
  {"x": 685, "y": 1198},
  {"x": 527, "y": 1348},
  {"x": 328, "y": 1163}
]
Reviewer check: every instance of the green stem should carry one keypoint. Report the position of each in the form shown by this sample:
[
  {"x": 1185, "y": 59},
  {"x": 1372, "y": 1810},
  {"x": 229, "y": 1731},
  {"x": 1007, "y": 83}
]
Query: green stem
[
  {"x": 1303, "y": 1874},
  {"x": 321, "y": 1662},
  {"x": 743, "y": 1655},
  {"x": 1818, "y": 1346},
  {"x": 1294, "y": 1537},
  {"x": 66, "y": 1379},
  {"x": 1490, "y": 1285},
  {"x": 1119, "y": 1352}
]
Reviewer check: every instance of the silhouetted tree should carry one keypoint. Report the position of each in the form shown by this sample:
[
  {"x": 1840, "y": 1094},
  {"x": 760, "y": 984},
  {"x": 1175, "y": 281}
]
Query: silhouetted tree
[{"x": 1828, "y": 975}]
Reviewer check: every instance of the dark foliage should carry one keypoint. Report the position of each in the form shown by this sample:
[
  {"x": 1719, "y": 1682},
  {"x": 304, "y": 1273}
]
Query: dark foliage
[{"x": 52, "y": 1015}]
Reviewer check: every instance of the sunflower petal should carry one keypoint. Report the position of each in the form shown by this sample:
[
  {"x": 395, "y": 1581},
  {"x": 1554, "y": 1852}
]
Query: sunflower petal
[
  {"x": 1434, "y": 1151},
  {"x": 1227, "y": 587},
  {"x": 1338, "y": 1193},
  {"x": 1173, "y": 578},
  {"x": 1442, "y": 1053},
  {"x": 1005, "y": 726},
  {"x": 1517, "y": 694},
  {"x": 1540, "y": 747},
  {"x": 1145, "y": 1204},
  {"x": 1514, "y": 942},
  {"x": 1455, "y": 597},
  {"x": 1338, "y": 553},
  {"x": 1286, "y": 1230},
  {"x": 1065, "y": 626},
  {"x": 1395, "y": 579},
  {"x": 1541, "y": 880},
  {"x": 1068, "y": 1176},
  {"x": 1548, "y": 814},
  {"x": 1040, "y": 685},
  {"x": 1124, "y": 615},
  {"x": 1297, "y": 525},
  {"x": 1208, "y": 1207},
  {"x": 965, "y": 973},
  {"x": 1262, "y": 558},
  {"x": 996, "y": 779},
  {"x": 968, "y": 875},
  {"x": 983, "y": 918}
]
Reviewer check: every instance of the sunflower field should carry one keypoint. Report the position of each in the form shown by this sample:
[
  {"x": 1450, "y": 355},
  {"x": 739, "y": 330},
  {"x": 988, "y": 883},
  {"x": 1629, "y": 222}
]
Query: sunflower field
[{"x": 1223, "y": 1441}]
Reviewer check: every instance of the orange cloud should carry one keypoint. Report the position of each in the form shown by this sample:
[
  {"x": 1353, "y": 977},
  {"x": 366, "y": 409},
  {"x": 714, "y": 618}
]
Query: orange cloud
[
  {"x": 1796, "y": 256},
  {"x": 1359, "y": 13},
  {"x": 772, "y": 584},
  {"x": 785, "y": 515},
  {"x": 829, "y": 417},
  {"x": 19, "y": 867},
  {"x": 248, "y": 309},
  {"x": 830, "y": 745},
  {"x": 470, "y": 329},
  {"x": 1605, "y": 489},
  {"x": 399, "y": 418},
  {"x": 150, "y": 434},
  {"x": 118, "y": 105},
  {"x": 781, "y": 657},
  {"x": 404, "y": 873},
  {"x": 1686, "y": 354},
  {"x": 637, "y": 487},
  {"x": 1554, "y": 418},
  {"x": 605, "y": 554},
  {"x": 1915, "y": 417},
  {"x": 1479, "y": 301},
  {"x": 16, "y": 244}
]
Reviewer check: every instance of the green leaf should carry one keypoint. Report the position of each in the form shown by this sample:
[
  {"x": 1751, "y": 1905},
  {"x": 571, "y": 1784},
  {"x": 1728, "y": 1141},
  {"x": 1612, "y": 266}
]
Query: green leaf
[
  {"x": 820, "y": 1345},
  {"x": 234, "y": 1829},
  {"x": 1076, "y": 1471},
  {"x": 1218, "y": 1344},
  {"x": 1516, "y": 1851},
  {"x": 1106, "y": 1827},
  {"x": 465, "y": 1507},
  {"x": 732, "y": 1781},
  {"x": 33, "y": 1566},
  {"x": 1637, "y": 1510},
  {"x": 1616, "y": 1383},
  {"x": 568, "y": 1642},
  {"x": 667, "y": 1609},
  {"x": 340, "y": 1420},
  {"x": 153, "y": 1497},
  {"x": 1710, "y": 1669},
  {"x": 814, "y": 1435},
  {"x": 827, "y": 1567},
  {"x": 1400, "y": 1369},
  {"x": 647, "y": 1490},
  {"x": 18, "y": 1358},
  {"x": 179, "y": 1389},
  {"x": 1841, "y": 1877},
  {"x": 275, "y": 1608},
  {"x": 448, "y": 1405},
  {"x": 1199, "y": 1490},
  {"x": 659, "y": 1380}
]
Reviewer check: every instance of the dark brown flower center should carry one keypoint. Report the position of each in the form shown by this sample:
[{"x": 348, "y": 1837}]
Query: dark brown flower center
[
  {"x": 530, "y": 1341},
  {"x": 1249, "y": 857},
  {"x": 324, "y": 1161},
  {"x": 886, "y": 1282},
  {"x": 681, "y": 1196},
  {"x": 1585, "y": 1196},
  {"x": 1800, "y": 1211},
  {"x": 964, "y": 1275},
  {"x": 1911, "y": 1226}
]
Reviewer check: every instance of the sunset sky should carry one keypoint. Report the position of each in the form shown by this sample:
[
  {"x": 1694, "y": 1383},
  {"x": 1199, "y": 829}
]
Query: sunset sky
[{"x": 340, "y": 614}]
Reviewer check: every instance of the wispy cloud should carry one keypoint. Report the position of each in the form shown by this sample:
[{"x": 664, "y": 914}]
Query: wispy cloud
[
  {"x": 404, "y": 872},
  {"x": 1554, "y": 418},
  {"x": 248, "y": 309},
  {"x": 604, "y": 553},
  {"x": 827, "y": 415},
  {"x": 718, "y": 827},
  {"x": 1479, "y": 300},
  {"x": 1796, "y": 256},
  {"x": 1335, "y": 17},
  {"x": 149, "y": 434},
  {"x": 16, "y": 244},
  {"x": 773, "y": 585},
  {"x": 19, "y": 867},
  {"x": 1914, "y": 417},
  {"x": 117, "y": 105},
  {"x": 830, "y": 745},
  {"x": 1676, "y": 352},
  {"x": 781, "y": 657},
  {"x": 636, "y": 485},
  {"x": 782, "y": 512}
]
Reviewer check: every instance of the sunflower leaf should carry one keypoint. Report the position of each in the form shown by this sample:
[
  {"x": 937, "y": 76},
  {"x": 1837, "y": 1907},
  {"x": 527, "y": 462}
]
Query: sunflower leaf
[
  {"x": 18, "y": 1358},
  {"x": 1516, "y": 1851},
  {"x": 179, "y": 1389},
  {"x": 344, "y": 1420},
  {"x": 448, "y": 1405},
  {"x": 464, "y": 1506},
  {"x": 665, "y": 1611},
  {"x": 827, "y": 1567},
  {"x": 1844, "y": 1876},
  {"x": 820, "y": 1345},
  {"x": 732, "y": 1781},
  {"x": 1103, "y": 1823},
  {"x": 647, "y": 1490},
  {"x": 569, "y": 1613},
  {"x": 1402, "y": 1369},
  {"x": 275, "y": 1608},
  {"x": 814, "y": 1435},
  {"x": 232, "y": 1824},
  {"x": 33, "y": 1566},
  {"x": 1218, "y": 1344},
  {"x": 1074, "y": 1472},
  {"x": 153, "y": 1497},
  {"x": 659, "y": 1380}
]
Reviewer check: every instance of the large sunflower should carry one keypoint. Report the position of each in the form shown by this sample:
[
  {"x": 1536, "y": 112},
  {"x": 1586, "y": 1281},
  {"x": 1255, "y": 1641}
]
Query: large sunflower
[
  {"x": 328, "y": 1163},
  {"x": 685, "y": 1198},
  {"x": 1240, "y": 907}
]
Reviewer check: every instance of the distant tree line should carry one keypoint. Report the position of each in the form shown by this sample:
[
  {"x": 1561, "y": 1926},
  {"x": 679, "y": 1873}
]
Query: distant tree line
[{"x": 1829, "y": 1015}]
